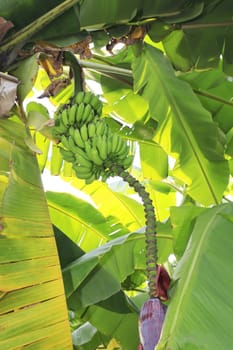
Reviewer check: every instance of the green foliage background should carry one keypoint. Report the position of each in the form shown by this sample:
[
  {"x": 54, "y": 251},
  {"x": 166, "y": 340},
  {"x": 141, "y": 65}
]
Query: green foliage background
[{"x": 170, "y": 96}]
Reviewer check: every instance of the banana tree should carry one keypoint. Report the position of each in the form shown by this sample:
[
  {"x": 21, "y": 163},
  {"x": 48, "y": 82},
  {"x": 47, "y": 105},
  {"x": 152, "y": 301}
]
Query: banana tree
[{"x": 164, "y": 75}]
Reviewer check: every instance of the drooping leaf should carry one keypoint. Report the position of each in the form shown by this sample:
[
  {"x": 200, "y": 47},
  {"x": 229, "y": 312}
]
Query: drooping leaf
[
  {"x": 154, "y": 161},
  {"x": 182, "y": 127},
  {"x": 183, "y": 220},
  {"x": 111, "y": 203},
  {"x": 112, "y": 317},
  {"x": 31, "y": 284},
  {"x": 203, "y": 287},
  {"x": 114, "y": 261},
  {"x": 187, "y": 49},
  {"x": 214, "y": 89},
  {"x": 26, "y": 72},
  {"x": 81, "y": 221}
]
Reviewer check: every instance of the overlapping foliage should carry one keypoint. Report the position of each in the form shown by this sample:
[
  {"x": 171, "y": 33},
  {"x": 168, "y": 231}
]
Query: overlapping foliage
[{"x": 168, "y": 91}]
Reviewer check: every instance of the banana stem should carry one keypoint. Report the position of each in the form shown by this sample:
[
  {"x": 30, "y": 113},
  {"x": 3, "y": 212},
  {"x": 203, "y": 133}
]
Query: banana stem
[
  {"x": 150, "y": 219},
  {"x": 71, "y": 60}
]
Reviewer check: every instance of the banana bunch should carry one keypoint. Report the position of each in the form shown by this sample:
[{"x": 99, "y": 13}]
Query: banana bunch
[
  {"x": 85, "y": 108},
  {"x": 87, "y": 141}
]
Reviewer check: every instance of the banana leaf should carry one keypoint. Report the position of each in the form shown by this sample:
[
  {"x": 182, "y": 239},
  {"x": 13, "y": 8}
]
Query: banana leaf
[
  {"x": 182, "y": 125},
  {"x": 32, "y": 304},
  {"x": 199, "y": 315}
]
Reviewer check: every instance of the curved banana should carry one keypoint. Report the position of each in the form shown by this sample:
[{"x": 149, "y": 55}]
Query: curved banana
[
  {"x": 115, "y": 141},
  {"x": 96, "y": 157},
  {"x": 84, "y": 133},
  {"x": 102, "y": 147},
  {"x": 72, "y": 114},
  {"x": 82, "y": 172},
  {"x": 83, "y": 161},
  {"x": 96, "y": 104},
  {"x": 82, "y": 153},
  {"x": 101, "y": 127},
  {"x": 64, "y": 117},
  {"x": 91, "y": 128},
  {"x": 71, "y": 131},
  {"x": 72, "y": 144},
  {"x": 91, "y": 116},
  {"x": 123, "y": 149},
  {"x": 64, "y": 141},
  {"x": 67, "y": 155},
  {"x": 78, "y": 139},
  {"x": 79, "y": 97},
  {"x": 79, "y": 112},
  {"x": 90, "y": 179},
  {"x": 87, "y": 97},
  {"x": 128, "y": 162},
  {"x": 86, "y": 112}
]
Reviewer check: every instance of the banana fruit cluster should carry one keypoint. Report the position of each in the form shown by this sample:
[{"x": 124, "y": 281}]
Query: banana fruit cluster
[
  {"x": 85, "y": 109},
  {"x": 87, "y": 141}
]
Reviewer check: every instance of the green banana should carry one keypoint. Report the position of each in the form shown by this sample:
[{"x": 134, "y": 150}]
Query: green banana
[
  {"x": 86, "y": 112},
  {"x": 96, "y": 157},
  {"x": 78, "y": 139},
  {"x": 82, "y": 172},
  {"x": 91, "y": 116},
  {"x": 91, "y": 128},
  {"x": 99, "y": 110},
  {"x": 102, "y": 147},
  {"x": 79, "y": 97},
  {"x": 67, "y": 155},
  {"x": 90, "y": 179},
  {"x": 128, "y": 162},
  {"x": 109, "y": 145},
  {"x": 83, "y": 161},
  {"x": 96, "y": 103},
  {"x": 59, "y": 130},
  {"x": 64, "y": 117},
  {"x": 115, "y": 141},
  {"x": 64, "y": 141},
  {"x": 82, "y": 153},
  {"x": 72, "y": 145},
  {"x": 79, "y": 112},
  {"x": 62, "y": 126},
  {"x": 71, "y": 131},
  {"x": 72, "y": 114},
  {"x": 123, "y": 149},
  {"x": 87, "y": 97},
  {"x": 100, "y": 127},
  {"x": 84, "y": 133},
  {"x": 88, "y": 150}
]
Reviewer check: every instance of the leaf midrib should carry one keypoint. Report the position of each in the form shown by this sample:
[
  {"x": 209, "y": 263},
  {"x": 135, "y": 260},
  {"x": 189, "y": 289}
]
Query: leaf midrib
[
  {"x": 191, "y": 140},
  {"x": 75, "y": 218},
  {"x": 199, "y": 248}
]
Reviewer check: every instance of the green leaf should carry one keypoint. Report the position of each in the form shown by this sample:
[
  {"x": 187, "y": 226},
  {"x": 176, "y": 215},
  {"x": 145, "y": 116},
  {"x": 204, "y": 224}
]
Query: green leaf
[
  {"x": 114, "y": 204},
  {"x": 31, "y": 284},
  {"x": 26, "y": 72},
  {"x": 203, "y": 287},
  {"x": 183, "y": 219},
  {"x": 187, "y": 48},
  {"x": 114, "y": 261},
  {"x": 79, "y": 220},
  {"x": 112, "y": 317},
  {"x": 86, "y": 337},
  {"x": 56, "y": 160},
  {"x": 182, "y": 127},
  {"x": 214, "y": 89},
  {"x": 154, "y": 161}
]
